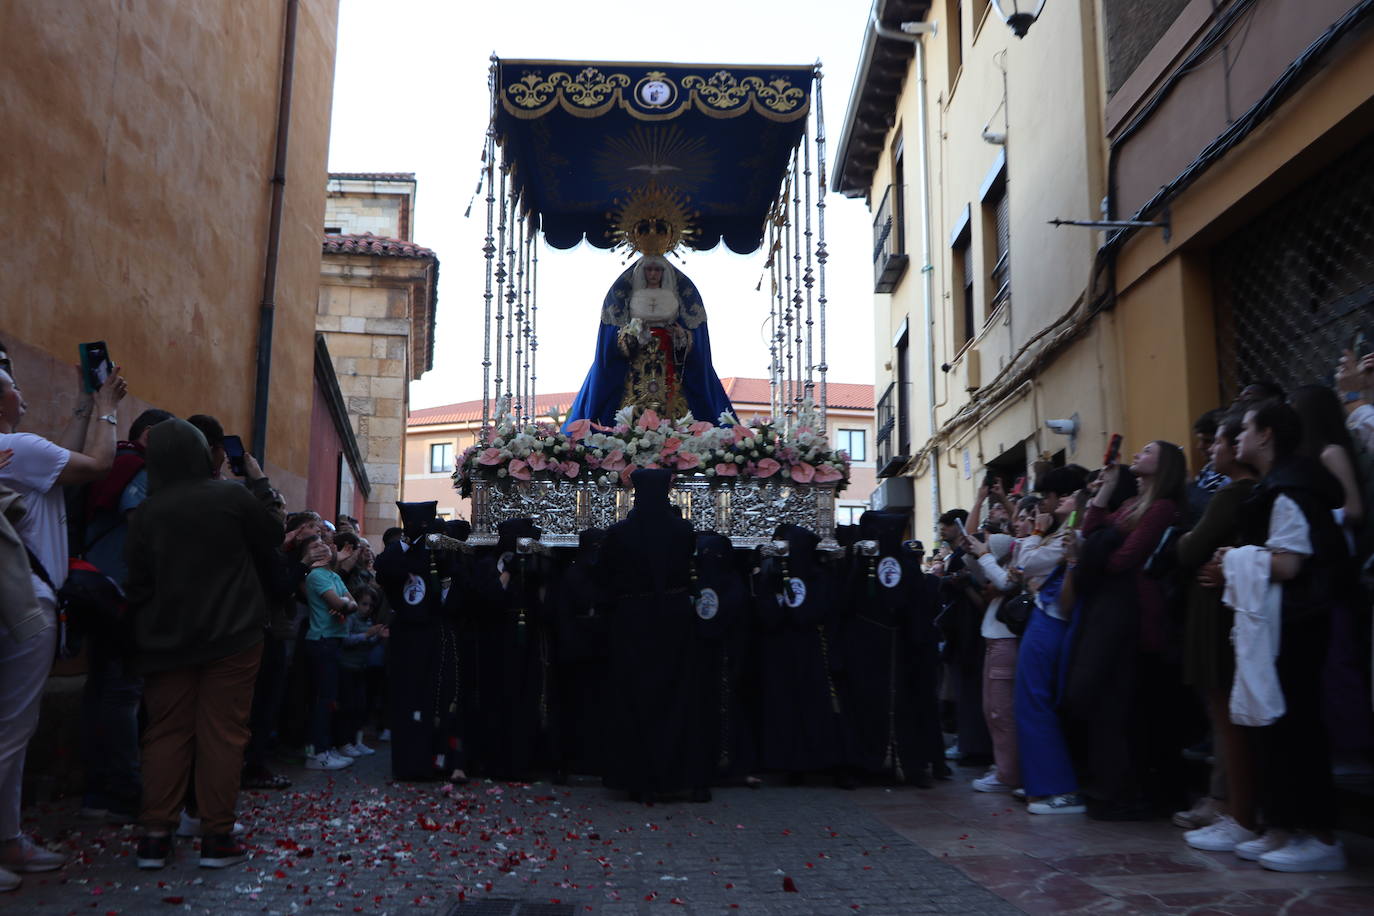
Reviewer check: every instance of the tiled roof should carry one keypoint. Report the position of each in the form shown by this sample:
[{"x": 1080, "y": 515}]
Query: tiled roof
[
  {"x": 837, "y": 394},
  {"x": 372, "y": 176},
  {"x": 471, "y": 411},
  {"x": 742, "y": 391},
  {"x": 369, "y": 244}
]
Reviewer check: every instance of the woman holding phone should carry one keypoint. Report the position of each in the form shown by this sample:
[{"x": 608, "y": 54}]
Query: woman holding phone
[{"x": 1127, "y": 706}]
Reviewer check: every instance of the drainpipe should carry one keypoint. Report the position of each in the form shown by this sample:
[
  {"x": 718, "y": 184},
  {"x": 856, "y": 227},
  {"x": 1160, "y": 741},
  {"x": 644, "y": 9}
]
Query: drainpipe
[
  {"x": 267, "y": 310},
  {"x": 914, "y": 32}
]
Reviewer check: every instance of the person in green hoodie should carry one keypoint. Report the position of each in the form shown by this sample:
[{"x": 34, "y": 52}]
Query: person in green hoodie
[{"x": 197, "y": 609}]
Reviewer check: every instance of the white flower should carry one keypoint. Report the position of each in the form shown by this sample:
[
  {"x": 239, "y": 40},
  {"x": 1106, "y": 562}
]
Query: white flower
[
  {"x": 501, "y": 472},
  {"x": 625, "y": 416}
]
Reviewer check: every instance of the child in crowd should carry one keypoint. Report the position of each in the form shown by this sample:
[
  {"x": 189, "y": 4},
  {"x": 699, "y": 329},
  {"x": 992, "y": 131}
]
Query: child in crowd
[
  {"x": 362, "y": 636},
  {"x": 330, "y": 604}
]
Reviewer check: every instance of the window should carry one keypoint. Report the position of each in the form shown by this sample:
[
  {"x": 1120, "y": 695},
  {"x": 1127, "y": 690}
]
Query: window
[
  {"x": 965, "y": 325},
  {"x": 903, "y": 397},
  {"x": 848, "y": 515},
  {"x": 853, "y": 441},
  {"x": 997, "y": 235},
  {"x": 899, "y": 195},
  {"x": 441, "y": 457},
  {"x": 956, "y": 40}
]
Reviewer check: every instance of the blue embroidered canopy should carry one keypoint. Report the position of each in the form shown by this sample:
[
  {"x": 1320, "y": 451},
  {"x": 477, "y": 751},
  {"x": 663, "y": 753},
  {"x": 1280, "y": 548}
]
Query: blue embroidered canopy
[{"x": 580, "y": 136}]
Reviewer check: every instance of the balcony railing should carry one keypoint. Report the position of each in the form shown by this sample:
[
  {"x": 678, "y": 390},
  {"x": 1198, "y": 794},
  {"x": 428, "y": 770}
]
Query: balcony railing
[
  {"x": 889, "y": 260},
  {"x": 889, "y": 441}
]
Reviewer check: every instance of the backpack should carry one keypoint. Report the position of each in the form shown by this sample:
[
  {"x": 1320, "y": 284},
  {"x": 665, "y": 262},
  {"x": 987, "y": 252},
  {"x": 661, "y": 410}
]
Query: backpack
[{"x": 88, "y": 602}]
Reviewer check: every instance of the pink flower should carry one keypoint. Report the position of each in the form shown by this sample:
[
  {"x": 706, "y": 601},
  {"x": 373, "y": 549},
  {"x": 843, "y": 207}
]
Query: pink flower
[
  {"x": 614, "y": 461},
  {"x": 741, "y": 432},
  {"x": 593, "y": 461},
  {"x": 489, "y": 457},
  {"x": 827, "y": 473},
  {"x": 766, "y": 467},
  {"x": 648, "y": 420},
  {"x": 620, "y": 429},
  {"x": 537, "y": 461},
  {"x": 727, "y": 469},
  {"x": 625, "y": 475},
  {"x": 519, "y": 469},
  {"x": 602, "y": 429},
  {"x": 685, "y": 461},
  {"x": 700, "y": 427},
  {"x": 670, "y": 445},
  {"x": 578, "y": 429},
  {"x": 802, "y": 472},
  {"x": 571, "y": 469}
]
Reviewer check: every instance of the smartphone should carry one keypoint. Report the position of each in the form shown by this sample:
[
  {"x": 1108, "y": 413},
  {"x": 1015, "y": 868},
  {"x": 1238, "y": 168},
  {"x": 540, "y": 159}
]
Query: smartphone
[
  {"x": 960, "y": 522},
  {"x": 1113, "y": 451},
  {"x": 990, "y": 480},
  {"x": 1020, "y": 486},
  {"x": 1072, "y": 520},
  {"x": 233, "y": 450},
  {"x": 96, "y": 365},
  {"x": 1360, "y": 345}
]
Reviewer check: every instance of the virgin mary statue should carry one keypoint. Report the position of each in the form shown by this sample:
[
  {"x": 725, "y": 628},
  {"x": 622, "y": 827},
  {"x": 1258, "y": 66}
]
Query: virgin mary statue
[{"x": 652, "y": 350}]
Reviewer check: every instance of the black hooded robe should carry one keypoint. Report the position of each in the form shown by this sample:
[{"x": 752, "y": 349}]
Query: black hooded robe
[
  {"x": 647, "y": 564},
  {"x": 802, "y": 724}
]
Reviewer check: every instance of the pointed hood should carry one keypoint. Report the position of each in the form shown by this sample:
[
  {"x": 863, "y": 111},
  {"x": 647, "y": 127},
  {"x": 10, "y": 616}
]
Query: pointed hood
[
  {"x": 886, "y": 528},
  {"x": 177, "y": 453}
]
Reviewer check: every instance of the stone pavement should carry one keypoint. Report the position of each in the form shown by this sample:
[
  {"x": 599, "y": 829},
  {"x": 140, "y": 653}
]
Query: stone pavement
[{"x": 355, "y": 843}]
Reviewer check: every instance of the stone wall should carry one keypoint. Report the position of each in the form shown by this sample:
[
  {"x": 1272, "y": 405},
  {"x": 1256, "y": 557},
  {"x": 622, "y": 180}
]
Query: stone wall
[{"x": 365, "y": 306}]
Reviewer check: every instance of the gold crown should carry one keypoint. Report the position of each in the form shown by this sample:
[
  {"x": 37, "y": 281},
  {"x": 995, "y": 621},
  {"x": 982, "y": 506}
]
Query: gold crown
[{"x": 653, "y": 220}]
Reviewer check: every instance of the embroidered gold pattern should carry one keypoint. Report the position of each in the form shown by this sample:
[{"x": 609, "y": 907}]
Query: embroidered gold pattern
[{"x": 591, "y": 92}]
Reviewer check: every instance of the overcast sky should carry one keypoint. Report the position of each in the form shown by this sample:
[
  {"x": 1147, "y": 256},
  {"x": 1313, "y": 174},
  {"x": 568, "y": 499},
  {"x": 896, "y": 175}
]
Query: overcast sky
[{"x": 410, "y": 95}]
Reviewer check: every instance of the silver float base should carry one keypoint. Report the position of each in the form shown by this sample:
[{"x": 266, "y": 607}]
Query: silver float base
[{"x": 746, "y": 511}]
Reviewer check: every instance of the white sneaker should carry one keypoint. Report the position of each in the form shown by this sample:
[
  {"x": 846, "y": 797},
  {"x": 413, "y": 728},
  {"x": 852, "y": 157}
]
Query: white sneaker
[
  {"x": 1221, "y": 835},
  {"x": 190, "y": 826},
  {"x": 990, "y": 783},
  {"x": 385, "y": 735},
  {"x": 340, "y": 758},
  {"x": 1305, "y": 853},
  {"x": 27, "y": 856},
  {"x": 1069, "y": 803},
  {"x": 9, "y": 880},
  {"x": 1251, "y": 850},
  {"x": 348, "y": 750},
  {"x": 327, "y": 760},
  {"x": 953, "y": 753},
  {"x": 362, "y": 749}
]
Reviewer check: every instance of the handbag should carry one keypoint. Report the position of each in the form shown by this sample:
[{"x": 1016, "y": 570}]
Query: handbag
[
  {"x": 1163, "y": 559},
  {"x": 1014, "y": 613}
]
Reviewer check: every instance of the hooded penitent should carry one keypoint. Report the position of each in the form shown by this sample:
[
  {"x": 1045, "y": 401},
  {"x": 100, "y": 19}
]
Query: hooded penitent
[{"x": 194, "y": 550}]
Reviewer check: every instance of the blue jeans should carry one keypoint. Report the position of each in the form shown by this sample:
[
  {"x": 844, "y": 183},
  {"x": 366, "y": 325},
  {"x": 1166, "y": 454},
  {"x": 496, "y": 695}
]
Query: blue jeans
[
  {"x": 324, "y": 664},
  {"x": 1046, "y": 768},
  {"x": 109, "y": 731}
]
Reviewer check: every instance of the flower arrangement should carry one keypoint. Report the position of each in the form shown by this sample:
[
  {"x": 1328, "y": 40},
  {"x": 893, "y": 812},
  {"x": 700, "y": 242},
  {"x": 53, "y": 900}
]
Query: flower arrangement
[{"x": 607, "y": 455}]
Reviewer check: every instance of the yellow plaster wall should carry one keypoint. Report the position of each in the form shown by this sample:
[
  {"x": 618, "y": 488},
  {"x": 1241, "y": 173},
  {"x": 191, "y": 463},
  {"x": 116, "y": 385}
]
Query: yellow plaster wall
[{"x": 135, "y": 179}]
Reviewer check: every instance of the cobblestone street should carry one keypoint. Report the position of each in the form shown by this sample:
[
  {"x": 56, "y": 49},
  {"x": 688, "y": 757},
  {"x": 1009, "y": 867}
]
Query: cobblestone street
[{"x": 354, "y": 843}]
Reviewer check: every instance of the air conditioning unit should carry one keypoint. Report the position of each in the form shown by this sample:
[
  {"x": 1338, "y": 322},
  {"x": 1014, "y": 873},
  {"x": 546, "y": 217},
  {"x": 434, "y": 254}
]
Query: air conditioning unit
[
  {"x": 973, "y": 369},
  {"x": 893, "y": 493}
]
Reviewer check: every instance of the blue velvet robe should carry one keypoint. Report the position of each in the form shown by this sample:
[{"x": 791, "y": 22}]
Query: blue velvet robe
[{"x": 604, "y": 387}]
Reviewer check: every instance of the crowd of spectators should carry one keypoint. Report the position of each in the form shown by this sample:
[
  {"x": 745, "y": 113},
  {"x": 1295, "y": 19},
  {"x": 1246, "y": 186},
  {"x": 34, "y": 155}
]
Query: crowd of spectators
[
  {"x": 1133, "y": 617},
  {"x": 205, "y": 589},
  {"x": 1085, "y": 631}
]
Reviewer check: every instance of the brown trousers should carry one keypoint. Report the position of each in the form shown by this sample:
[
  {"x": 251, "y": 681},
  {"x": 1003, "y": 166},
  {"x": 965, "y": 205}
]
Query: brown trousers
[{"x": 197, "y": 715}]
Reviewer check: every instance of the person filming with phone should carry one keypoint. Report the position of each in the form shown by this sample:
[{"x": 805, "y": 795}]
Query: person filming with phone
[{"x": 37, "y": 470}]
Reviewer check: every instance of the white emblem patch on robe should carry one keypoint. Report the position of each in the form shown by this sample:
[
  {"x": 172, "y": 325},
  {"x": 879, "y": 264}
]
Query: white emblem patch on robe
[
  {"x": 889, "y": 572},
  {"x": 708, "y": 604},
  {"x": 414, "y": 592}
]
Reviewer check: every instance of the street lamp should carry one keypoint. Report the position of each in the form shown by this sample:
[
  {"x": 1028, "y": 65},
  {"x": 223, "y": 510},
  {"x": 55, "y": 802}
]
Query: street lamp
[{"x": 1019, "y": 18}]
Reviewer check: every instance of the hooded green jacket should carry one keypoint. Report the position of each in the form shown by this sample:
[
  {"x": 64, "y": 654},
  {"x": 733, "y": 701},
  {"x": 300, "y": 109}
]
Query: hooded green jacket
[{"x": 194, "y": 550}]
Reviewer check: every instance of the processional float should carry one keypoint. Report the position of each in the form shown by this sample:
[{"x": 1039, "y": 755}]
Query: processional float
[{"x": 654, "y": 159}]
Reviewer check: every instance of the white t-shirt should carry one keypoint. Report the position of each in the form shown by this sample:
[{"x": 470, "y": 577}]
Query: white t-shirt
[{"x": 33, "y": 473}]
